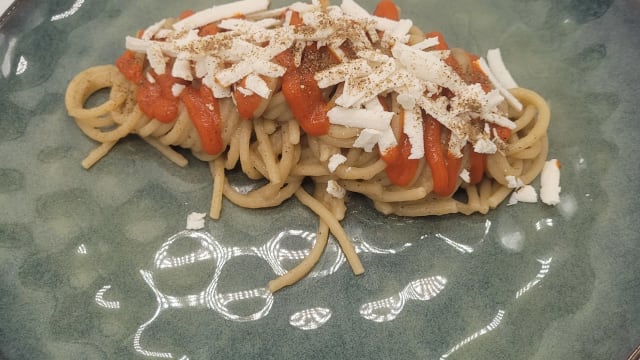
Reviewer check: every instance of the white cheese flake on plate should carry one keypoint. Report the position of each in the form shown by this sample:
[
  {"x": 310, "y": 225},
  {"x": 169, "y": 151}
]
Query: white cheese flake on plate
[
  {"x": 156, "y": 59},
  {"x": 426, "y": 43},
  {"x": 354, "y": 10},
  {"x": 550, "y": 182},
  {"x": 242, "y": 55},
  {"x": 195, "y": 221}
]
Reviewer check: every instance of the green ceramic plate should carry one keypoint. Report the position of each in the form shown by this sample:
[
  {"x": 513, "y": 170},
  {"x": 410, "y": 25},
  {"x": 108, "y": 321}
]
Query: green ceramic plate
[{"x": 97, "y": 264}]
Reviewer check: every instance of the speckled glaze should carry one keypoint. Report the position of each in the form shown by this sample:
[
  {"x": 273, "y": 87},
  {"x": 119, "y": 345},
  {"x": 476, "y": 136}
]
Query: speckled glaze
[{"x": 97, "y": 264}]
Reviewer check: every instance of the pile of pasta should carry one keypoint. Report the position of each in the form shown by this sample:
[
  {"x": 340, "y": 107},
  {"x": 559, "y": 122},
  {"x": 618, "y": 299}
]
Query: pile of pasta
[{"x": 351, "y": 101}]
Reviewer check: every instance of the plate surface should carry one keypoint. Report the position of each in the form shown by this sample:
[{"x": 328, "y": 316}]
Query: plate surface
[{"x": 96, "y": 264}]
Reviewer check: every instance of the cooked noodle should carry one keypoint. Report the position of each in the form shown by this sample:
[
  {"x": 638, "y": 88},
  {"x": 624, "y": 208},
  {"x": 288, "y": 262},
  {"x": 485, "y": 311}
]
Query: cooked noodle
[{"x": 272, "y": 146}]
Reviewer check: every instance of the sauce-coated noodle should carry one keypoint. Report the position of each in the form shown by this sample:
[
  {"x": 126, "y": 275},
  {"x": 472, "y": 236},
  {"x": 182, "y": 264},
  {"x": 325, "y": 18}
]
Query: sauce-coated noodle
[{"x": 274, "y": 142}]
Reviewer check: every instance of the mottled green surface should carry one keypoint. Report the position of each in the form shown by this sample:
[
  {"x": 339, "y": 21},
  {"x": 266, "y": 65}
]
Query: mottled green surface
[{"x": 67, "y": 233}]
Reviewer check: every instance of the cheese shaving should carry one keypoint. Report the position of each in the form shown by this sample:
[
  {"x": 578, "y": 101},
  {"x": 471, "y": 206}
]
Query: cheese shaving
[
  {"x": 360, "y": 118},
  {"x": 247, "y": 47},
  {"x": 176, "y": 89},
  {"x": 195, "y": 221},
  {"x": 465, "y": 176},
  {"x": 336, "y": 160},
  {"x": 503, "y": 91},
  {"x": 334, "y": 189},
  {"x": 414, "y": 130},
  {"x": 550, "y": 182},
  {"x": 526, "y": 194},
  {"x": 156, "y": 59},
  {"x": 513, "y": 182},
  {"x": 220, "y": 12},
  {"x": 499, "y": 69},
  {"x": 367, "y": 139}
]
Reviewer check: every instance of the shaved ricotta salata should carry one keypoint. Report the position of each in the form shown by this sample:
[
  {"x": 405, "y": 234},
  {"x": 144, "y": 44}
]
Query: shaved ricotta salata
[
  {"x": 376, "y": 66},
  {"x": 374, "y": 57}
]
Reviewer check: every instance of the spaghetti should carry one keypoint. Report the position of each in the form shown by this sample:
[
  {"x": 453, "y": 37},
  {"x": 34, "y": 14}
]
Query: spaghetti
[{"x": 356, "y": 102}]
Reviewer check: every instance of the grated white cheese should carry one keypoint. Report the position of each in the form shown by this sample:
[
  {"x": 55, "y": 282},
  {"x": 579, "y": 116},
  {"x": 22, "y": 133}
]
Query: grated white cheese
[
  {"x": 499, "y": 69},
  {"x": 367, "y": 139},
  {"x": 150, "y": 78},
  {"x": 201, "y": 66},
  {"x": 248, "y": 26},
  {"x": 503, "y": 91},
  {"x": 465, "y": 176},
  {"x": 210, "y": 66},
  {"x": 220, "y": 12},
  {"x": 550, "y": 182},
  {"x": 156, "y": 59},
  {"x": 360, "y": 118},
  {"x": 163, "y": 34},
  {"x": 149, "y": 32},
  {"x": 427, "y": 66},
  {"x": 374, "y": 105},
  {"x": 287, "y": 17},
  {"x": 234, "y": 73},
  {"x": 182, "y": 69},
  {"x": 253, "y": 59},
  {"x": 484, "y": 146},
  {"x": 302, "y": 7},
  {"x": 336, "y": 160},
  {"x": 394, "y": 28},
  {"x": 334, "y": 189},
  {"x": 526, "y": 194},
  {"x": 387, "y": 140},
  {"x": 176, "y": 89},
  {"x": 195, "y": 221},
  {"x": 514, "y": 182},
  {"x": 413, "y": 129},
  {"x": 407, "y": 101},
  {"x": 383, "y": 65},
  {"x": 258, "y": 86},
  {"x": 456, "y": 143},
  {"x": 244, "y": 91}
]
